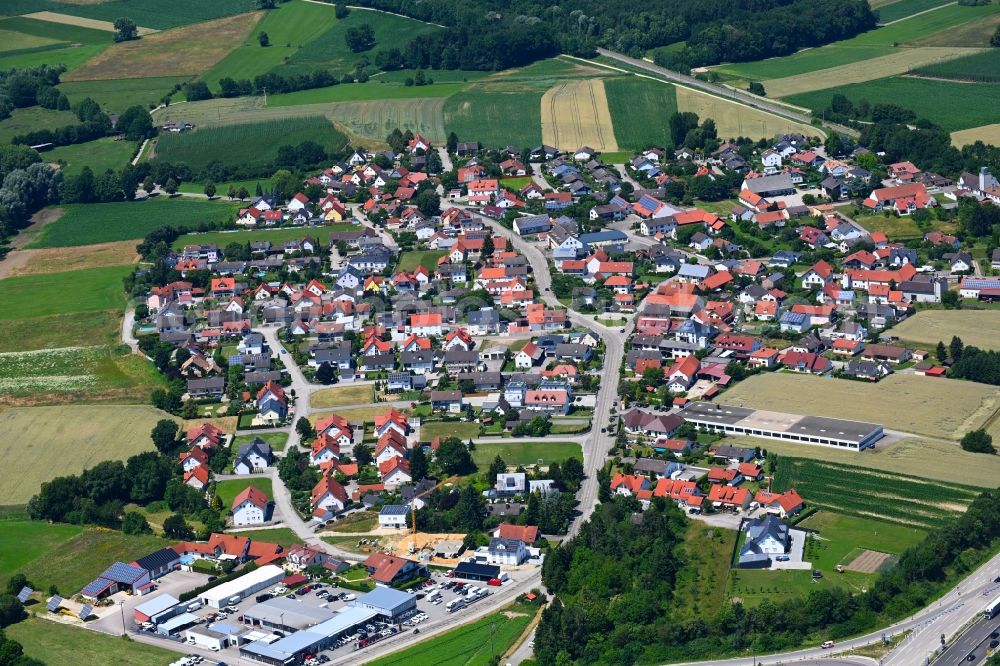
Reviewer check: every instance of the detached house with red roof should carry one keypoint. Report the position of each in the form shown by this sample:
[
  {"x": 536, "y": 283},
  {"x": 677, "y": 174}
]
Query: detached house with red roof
[
  {"x": 391, "y": 570},
  {"x": 394, "y": 472},
  {"x": 781, "y": 504},
  {"x": 818, "y": 276},
  {"x": 903, "y": 199},
  {"x": 629, "y": 485},
  {"x": 729, "y": 498},
  {"x": 251, "y": 507},
  {"x": 328, "y": 498}
]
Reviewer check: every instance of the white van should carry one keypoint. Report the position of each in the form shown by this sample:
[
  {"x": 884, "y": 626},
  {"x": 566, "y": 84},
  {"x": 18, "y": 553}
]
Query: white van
[
  {"x": 194, "y": 605},
  {"x": 433, "y": 596}
]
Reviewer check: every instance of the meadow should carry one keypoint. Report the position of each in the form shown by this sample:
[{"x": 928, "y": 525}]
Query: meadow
[
  {"x": 250, "y": 145},
  {"x": 228, "y": 490},
  {"x": 432, "y": 429},
  {"x": 865, "y": 493},
  {"x": 976, "y": 327},
  {"x": 22, "y": 541},
  {"x": 55, "y": 643},
  {"x": 901, "y": 9},
  {"x": 280, "y": 535},
  {"x": 408, "y": 261},
  {"x": 149, "y": 13},
  {"x": 224, "y": 238},
  {"x": 32, "y": 119},
  {"x": 69, "y": 45},
  {"x": 518, "y": 453},
  {"x": 99, "y": 155},
  {"x": 62, "y": 293},
  {"x": 840, "y": 535},
  {"x": 89, "y": 224},
  {"x": 981, "y": 67},
  {"x": 898, "y": 401},
  {"x": 118, "y": 95},
  {"x": 953, "y": 106},
  {"x": 69, "y": 438},
  {"x": 342, "y": 395},
  {"x": 373, "y": 89},
  {"x": 289, "y": 28},
  {"x": 639, "y": 111},
  {"x": 472, "y": 644}
]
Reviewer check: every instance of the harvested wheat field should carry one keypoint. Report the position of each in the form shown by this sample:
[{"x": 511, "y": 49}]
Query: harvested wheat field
[
  {"x": 928, "y": 406},
  {"x": 179, "y": 52},
  {"x": 732, "y": 119},
  {"x": 874, "y": 68},
  {"x": 977, "y": 328},
  {"x": 80, "y": 21},
  {"x": 985, "y": 133},
  {"x": 575, "y": 114},
  {"x": 59, "y": 259}
]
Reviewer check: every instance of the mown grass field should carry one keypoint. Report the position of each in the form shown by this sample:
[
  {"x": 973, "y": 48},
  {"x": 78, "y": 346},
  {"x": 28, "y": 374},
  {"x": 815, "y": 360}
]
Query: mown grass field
[
  {"x": 639, "y": 111},
  {"x": 329, "y": 49},
  {"x": 62, "y": 293},
  {"x": 150, "y": 13},
  {"x": 224, "y": 238},
  {"x": 32, "y": 119},
  {"x": 471, "y": 644},
  {"x": 525, "y": 453},
  {"x": 120, "y": 94},
  {"x": 228, "y": 490},
  {"x": 54, "y": 643},
  {"x": 88, "y": 224},
  {"x": 341, "y": 395},
  {"x": 68, "y": 438},
  {"x": 941, "y": 408},
  {"x": 99, "y": 155},
  {"x": 408, "y": 261},
  {"x": 289, "y": 28},
  {"x": 431, "y": 429},
  {"x": 953, "y": 106},
  {"x": 976, "y": 327},
  {"x": 840, "y": 535},
  {"x": 22, "y": 541},
  {"x": 865, "y": 493},
  {"x": 280, "y": 535},
  {"x": 248, "y": 144},
  {"x": 981, "y": 67}
]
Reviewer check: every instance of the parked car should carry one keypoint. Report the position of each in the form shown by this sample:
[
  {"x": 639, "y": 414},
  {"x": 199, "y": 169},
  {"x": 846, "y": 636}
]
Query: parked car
[{"x": 827, "y": 645}]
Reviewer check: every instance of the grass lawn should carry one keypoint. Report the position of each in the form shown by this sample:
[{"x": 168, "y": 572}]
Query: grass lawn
[
  {"x": 277, "y": 440},
  {"x": 639, "y": 110},
  {"x": 471, "y": 644},
  {"x": 227, "y": 490},
  {"x": 224, "y": 238},
  {"x": 280, "y": 535},
  {"x": 976, "y": 327},
  {"x": 362, "y": 521},
  {"x": 953, "y": 106},
  {"x": 62, "y": 293},
  {"x": 460, "y": 429},
  {"x": 68, "y": 439},
  {"x": 87, "y": 224},
  {"x": 409, "y": 261},
  {"x": 22, "y": 541},
  {"x": 839, "y": 535},
  {"x": 83, "y": 557},
  {"x": 755, "y": 585},
  {"x": 32, "y": 119},
  {"x": 99, "y": 155},
  {"x": 55, "y": 643},
  {"x": 119, "y": 94},
  {"x": 289, "y": 29},
  {"x": 525, "y": 453},
  {"x": 364, "y": 414},
  {"x": 342, "y": 395},
  {"x": 515, "y": 183},
  {"x": 69, "y": 330}
]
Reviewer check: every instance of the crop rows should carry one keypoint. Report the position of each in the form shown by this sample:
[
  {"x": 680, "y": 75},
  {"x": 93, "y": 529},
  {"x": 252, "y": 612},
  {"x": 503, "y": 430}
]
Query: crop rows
[{"x": 981, "y": 68}]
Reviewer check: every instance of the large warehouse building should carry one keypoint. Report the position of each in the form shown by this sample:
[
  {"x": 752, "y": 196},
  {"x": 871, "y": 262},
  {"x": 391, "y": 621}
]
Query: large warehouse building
[
  {"x": 239, "y": 589},
  {"x": 817, "y": 430}
]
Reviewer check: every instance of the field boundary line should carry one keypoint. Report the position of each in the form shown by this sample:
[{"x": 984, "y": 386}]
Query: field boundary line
[
  {"x": 906, "y": 18},
  {"x": 380, "y": 11}
]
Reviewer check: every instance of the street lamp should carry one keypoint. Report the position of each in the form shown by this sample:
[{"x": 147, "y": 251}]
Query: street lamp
[{"x": 121, "y": 606}]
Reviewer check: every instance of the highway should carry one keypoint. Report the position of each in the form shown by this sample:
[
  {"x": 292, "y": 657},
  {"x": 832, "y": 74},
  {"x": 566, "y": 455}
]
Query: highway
[{"x": 974, "y": 641}]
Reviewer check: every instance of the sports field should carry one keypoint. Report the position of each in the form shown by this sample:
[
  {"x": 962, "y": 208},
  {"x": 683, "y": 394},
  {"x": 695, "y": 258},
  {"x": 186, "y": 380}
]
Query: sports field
[
  {"x": 639, "y": 110},
  {"x": 525, "y": 453},
  {"x": 339, "y": 396},
  {"x": 90, "y": 224},
  {"x": 54, "y": 643},
  {"x": 932, "y": 407},
  {"x": 732, "y": 120},
  {"x": 68, "y": 439},
  {"x": 228, "y": 490},
  {"x": 248, "y": 144},
  {"x": 63, "y": 293},
  {"x": 977, "y": 328},
  {"x": 575, "y": 114}
]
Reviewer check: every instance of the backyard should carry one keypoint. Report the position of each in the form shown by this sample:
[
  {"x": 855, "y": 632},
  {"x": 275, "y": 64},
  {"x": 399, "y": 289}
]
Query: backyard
[
  {"x": 228, "y": 490},
  {"x": 525, "y": 453}
]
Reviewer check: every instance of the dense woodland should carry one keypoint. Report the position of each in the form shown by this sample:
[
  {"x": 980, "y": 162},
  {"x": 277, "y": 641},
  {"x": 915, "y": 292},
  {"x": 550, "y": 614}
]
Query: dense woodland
[
  {"x": 486, "y": 34},
  {"x": 615, "y": 583}
]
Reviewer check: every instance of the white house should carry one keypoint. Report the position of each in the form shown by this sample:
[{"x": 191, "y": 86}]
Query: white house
[
  {"x": 253, "y": 457},
  {"x": 250, "y": 507},
  {"x": 511, "y": 552},
  {"x": 393, "y": 515}
]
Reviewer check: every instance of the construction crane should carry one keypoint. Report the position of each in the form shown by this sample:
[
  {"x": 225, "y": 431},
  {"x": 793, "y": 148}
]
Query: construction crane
[{"x": 413, "y": 516}]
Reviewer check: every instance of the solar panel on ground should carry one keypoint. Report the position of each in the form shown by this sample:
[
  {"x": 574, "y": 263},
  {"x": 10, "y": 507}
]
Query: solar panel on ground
[
  {"x": 53, "y": 604},
  {"x": 85, "y": 612},
  {"x": 23, "y": 595}
]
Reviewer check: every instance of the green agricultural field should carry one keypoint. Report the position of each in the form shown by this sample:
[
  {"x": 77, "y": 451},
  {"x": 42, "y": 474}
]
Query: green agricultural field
[
  {"x": 525, "y": 453},
  {"x": 953, "y": 106},
  {"x": 56, "y": 43},
  {"x": 83, "y": 557},
  {"x": 250, "y": 144},
  {"x": 151, "y": 14},
  {"x": 290, "y": 28},
  {"x": 228, "y": 490},
  {"x": 276, "y": 440},
  {"x": 472, "y": 644},
  {"x": 99, "y": 155},
  {"x": 369, "y": 122},
  {"x": 639, "y": 111},
  {"x": 70, "y": 330},
  {"x": 68, "y": 438},
  {"x": 58, "y": 33},
  {"x": 409, "y": 261},
  {"x": 981, "y": 67},
  {"x": 76, "y": 371},
  {"x": 224, "y": 238},
  {"x": 900, "y": 9},
  {"x": 118, "y": 95},
  {"x": 329, "y": 50},
  {"x": 866, "y": 493},
  {"x": 374, "y": 89},
  {"x": 16, "y": 42},
  {"x": 22, "y": 541},
  {"x": 87, "y": 224},
  {"x": 70, "y": 56},
  {"x": 61, "y": 293},
  {"x": 55, "y": 643},
  {"x": 32, "y": 119}
]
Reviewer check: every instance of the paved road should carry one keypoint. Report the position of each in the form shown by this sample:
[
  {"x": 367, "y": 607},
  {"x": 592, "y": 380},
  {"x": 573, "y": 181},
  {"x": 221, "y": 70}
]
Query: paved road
[
  {"x": 727, "y": 93},
  {"x": 537, "y": 178},
  {"x": 974, "y": 641}
]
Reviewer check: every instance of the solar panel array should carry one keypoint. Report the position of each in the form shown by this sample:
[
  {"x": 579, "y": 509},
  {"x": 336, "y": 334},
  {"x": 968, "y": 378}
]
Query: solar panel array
[
  {"x": 23, "y": 595},
  {"x": 85, "y": 612},
  {"x": 53, "y": 604}
]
